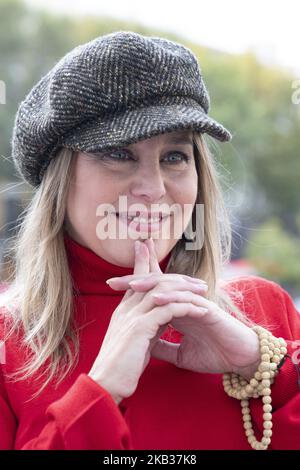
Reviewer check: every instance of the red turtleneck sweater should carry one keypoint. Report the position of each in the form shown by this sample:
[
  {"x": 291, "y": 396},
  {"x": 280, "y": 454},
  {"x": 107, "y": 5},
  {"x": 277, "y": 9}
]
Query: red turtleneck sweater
[{"x": 172, "y": 408}]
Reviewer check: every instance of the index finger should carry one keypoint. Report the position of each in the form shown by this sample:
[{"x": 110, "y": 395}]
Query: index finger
[
  {"x": 141, "y": 260},
  {"x": 141, "y": 263},
  {"x": 154, "y": 264},
  {"x": 120, "y": 283}
]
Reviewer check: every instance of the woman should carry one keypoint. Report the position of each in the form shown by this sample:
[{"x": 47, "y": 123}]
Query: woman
[{"x": 119, "y": 333}]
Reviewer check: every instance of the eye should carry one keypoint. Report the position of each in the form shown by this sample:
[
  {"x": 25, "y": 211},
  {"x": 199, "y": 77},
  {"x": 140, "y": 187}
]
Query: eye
[
  {"x": 123, "y": 155},
  {"x": 120, "y": 155},
  {"x": 177, "y": 157}
]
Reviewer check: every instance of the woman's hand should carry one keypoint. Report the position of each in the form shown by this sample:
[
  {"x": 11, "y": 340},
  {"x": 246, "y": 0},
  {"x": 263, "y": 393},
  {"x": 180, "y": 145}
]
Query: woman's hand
[
  {"x": 135, "y": 327},
  {"x": 213, "y": 342}
]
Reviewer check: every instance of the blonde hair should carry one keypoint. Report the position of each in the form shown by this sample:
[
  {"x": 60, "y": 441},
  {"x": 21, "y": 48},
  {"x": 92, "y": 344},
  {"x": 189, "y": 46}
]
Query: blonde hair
[{"x": 40, "y": 299}]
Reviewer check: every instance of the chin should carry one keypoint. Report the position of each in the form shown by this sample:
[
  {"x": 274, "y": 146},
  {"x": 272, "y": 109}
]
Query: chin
[
  {"x": 117, "y": 252},
  {"x": 120, "y": 259},
  {"x": 121, "y": 252}
]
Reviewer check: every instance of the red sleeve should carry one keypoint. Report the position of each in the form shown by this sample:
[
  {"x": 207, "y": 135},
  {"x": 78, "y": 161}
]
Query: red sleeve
[
  {"x": 86, "y": 417},
  {"x": 285, "y": 390},
  {"x": 8, "y": 424}
]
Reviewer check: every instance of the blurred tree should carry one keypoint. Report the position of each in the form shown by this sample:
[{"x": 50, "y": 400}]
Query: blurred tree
[
  {"x": 259, "y": 170},
  {"x": 275, "y": 254}
]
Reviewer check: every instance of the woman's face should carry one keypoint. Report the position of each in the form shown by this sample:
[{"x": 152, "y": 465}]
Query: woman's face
[{"x": 158, "y": 174}]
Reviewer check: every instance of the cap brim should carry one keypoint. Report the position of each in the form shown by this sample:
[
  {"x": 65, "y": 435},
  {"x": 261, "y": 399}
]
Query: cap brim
[{"x": 133, "y": 125}]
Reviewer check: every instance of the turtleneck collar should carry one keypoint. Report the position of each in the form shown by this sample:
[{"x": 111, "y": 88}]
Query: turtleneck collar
[{"x": 90, "y": 272}]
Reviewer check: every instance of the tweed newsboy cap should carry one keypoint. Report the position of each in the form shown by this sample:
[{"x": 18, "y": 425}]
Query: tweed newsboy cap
[{"x": 112, "y": 91}]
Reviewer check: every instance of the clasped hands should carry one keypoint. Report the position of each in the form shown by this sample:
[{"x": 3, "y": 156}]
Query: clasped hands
[{"x": 214, "y": 341}]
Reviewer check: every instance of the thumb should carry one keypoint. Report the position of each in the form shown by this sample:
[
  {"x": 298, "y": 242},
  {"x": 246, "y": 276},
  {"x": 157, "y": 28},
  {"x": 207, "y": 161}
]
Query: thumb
[{"x": 166, "y": 351}]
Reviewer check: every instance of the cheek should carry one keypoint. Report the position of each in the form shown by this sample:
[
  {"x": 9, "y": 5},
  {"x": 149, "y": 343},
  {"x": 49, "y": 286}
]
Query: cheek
[
  {"x": 185, "y": 195},
  {"x": 82, "y": 202},
  {"x": 91, "y": 187},
  {"x": 185, "y": 191},
  {"x": 78, "y": 209}
]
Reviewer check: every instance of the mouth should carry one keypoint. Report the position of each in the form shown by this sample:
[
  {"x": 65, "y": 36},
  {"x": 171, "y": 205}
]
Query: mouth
[{"x": 143, "y": 222}]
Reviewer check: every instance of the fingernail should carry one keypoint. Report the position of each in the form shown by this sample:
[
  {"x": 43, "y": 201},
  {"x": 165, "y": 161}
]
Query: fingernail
[{"x": 112, "y": 279}]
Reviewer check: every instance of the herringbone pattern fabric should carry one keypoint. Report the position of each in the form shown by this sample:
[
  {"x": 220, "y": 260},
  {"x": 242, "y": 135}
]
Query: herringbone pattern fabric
[{"x": 112, "y": 91}]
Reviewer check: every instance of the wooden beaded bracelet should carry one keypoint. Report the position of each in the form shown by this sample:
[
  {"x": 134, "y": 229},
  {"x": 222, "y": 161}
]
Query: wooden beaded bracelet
[{"x": 272, "y": 351}]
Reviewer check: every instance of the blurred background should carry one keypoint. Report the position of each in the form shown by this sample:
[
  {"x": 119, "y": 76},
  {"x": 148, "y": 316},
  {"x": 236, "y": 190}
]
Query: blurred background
[{"x": 249, "y": 55}]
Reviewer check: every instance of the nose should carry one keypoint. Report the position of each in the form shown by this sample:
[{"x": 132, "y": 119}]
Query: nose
[{"x": 148, "y": 183}]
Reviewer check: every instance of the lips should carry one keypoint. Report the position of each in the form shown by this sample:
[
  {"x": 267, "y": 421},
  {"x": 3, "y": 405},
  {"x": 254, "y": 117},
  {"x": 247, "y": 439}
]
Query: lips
[
  {"x": 141, "y": 223},
  {"x": 143, "y": 218}
]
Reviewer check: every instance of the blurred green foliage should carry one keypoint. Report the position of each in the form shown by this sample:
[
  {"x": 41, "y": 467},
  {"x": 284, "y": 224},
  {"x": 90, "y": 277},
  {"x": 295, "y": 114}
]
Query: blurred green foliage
[
  {"x": 252, "y": 100},
  {"x": 276, "y": 254}
]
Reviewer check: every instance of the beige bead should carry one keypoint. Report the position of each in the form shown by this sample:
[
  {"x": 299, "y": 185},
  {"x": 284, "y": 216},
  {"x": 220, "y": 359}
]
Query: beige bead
[
  {"x": 267, "y": 424},
  {"x": 257, "y": 375},
  {"x": 258, "y": 446},
  {"x": 245, "y": 403},
  {"x": 272, "y": 351},
  {"x": 247, "y": 417},
  {"x": 263, "y": 335},
  {"x": 264, "y": 366},
  {"x": 251, "y": 439},
  {"x": 267, "y": 408},
  {"x": 254, "y": 383},
  {"x": 266, "y": 399},
  {"x": 247, "y": 425},
  {"x": 266, "y": 441}
]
